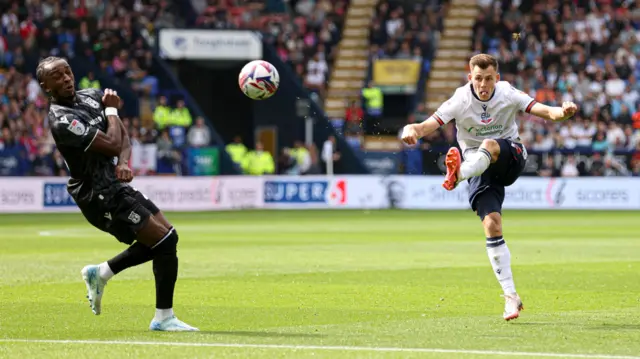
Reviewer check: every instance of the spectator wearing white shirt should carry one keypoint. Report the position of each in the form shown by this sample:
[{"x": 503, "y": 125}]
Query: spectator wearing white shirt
[
  {"x": 395, "y": 24},
  {"x": 630, "y": 97},
  {"x": 317, "y": 70},
  {"x": 568, "y": 138},
  {"x": 543, "y": 143},
  {"x": 569, "y": 168},
  {"x": 615, "y": 86},
  {"x": 330, "y": 155},
  {"x": 583, "y": 132},
  {"x": 615, "y": 136},
  {"x": 199, "y": 135}
]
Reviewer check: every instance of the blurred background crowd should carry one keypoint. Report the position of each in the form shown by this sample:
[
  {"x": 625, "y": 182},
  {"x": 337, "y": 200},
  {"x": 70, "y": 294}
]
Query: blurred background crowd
[{"x": 581, "y": 51}]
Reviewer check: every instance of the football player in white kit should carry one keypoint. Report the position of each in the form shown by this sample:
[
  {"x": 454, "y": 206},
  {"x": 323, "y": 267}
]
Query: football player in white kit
[{"x": 485, "y": 111}]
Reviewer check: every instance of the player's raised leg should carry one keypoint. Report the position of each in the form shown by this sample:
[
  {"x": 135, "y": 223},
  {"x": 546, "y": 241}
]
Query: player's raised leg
[
  {"x": 474, "y": 165},
  {"x": 96, "y": 276}
]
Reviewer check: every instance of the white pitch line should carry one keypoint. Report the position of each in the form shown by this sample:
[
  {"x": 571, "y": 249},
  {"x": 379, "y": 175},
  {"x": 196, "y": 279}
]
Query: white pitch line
[{"x": 321, "y": 347}]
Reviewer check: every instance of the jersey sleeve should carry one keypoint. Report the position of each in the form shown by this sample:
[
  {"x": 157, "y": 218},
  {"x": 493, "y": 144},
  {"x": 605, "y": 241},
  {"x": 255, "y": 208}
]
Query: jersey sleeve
[
  {"x": 448, "y": 110},
  {"x": 73, "y": 133},
  {"x": 523, "y": 101},
  {"x": 95, "y": 94}
]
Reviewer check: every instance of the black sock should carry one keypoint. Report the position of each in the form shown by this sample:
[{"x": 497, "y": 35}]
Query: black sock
[
  {"x": 165, "y": 269},
  {"x": 135, "y": 255}
]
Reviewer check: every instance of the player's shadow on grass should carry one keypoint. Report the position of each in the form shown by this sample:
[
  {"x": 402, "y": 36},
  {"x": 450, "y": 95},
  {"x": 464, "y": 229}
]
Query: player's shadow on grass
[{"x": 242, "y": 333}]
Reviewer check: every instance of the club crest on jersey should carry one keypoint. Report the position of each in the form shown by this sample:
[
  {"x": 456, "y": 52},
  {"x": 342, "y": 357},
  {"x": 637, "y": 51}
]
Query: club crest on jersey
[
  {"x": 91, "y": 102},
  {"x": 485, "y": 117},
  {"x": 134, "y": 217},
  {"x": 76, "y": 127}
]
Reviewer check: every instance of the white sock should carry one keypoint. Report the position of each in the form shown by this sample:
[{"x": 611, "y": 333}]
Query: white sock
[
  {"x": 500, "y": 259},
  {"x": 475, "y": 164},
  {"x": 162, "y": 314},
  {"x": 105, "y": 271}
]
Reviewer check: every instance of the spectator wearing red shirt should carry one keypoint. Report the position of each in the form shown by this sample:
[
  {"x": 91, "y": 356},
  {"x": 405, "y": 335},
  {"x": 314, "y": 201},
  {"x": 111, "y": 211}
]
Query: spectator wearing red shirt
[
  {"x": 27, "y": 28},
  {"x": 353, "y": 119}
]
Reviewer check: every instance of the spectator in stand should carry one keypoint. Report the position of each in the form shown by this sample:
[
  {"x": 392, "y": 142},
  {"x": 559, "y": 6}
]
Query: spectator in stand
[
  {"x": 258, "y": 162},
  {"x": 354, "y": 116},
  {"x": 199, "y": 135},
  {"x": 162, "y": 113},
  {"x": 180, "y": 116},
  {"x": 89, "y": 81},
  {"x": 167, "y": 153},
  {"x": 236, "y": 150},
  {"x": 316, "y": 77},
  {"x": 179, "y": 121}
]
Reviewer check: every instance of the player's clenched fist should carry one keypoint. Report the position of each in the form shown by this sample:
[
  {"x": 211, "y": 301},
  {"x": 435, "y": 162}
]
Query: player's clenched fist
[
  {"x": 569, "y": 109},
  {"x": 410, "y": 135},
  {"x": 111, "y": 98},
  {"x": 124, "y": 173}
]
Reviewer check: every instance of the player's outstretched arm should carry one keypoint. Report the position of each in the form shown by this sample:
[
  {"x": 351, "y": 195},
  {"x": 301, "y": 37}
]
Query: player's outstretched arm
[
  {"x": 411, "y": 133},
  {"x": 554, "y": 113}
]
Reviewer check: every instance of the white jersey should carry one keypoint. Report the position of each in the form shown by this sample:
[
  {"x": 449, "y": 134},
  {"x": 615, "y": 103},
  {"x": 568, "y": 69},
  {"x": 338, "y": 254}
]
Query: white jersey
[{"x": 477, "y": 120}]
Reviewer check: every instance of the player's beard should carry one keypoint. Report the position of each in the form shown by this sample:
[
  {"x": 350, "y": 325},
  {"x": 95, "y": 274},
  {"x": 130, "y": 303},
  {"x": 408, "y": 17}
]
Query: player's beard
[{"x": 65, "y": 98}]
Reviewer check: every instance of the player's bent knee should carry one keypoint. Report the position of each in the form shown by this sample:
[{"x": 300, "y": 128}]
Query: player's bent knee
[
  {"x": 492, "y": 223},
  {"x": 162, "y": 219},
  {"x": 168, "y": 244},
  {"x": 493, "y": 147},
  {"x": 152, "y": 233}
]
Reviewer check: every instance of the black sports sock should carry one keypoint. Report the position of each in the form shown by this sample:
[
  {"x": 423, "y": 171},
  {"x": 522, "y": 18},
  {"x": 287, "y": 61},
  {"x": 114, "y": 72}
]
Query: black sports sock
[
  {"x": 165, "y": 269},
  {"x": 135, "y": 255}
]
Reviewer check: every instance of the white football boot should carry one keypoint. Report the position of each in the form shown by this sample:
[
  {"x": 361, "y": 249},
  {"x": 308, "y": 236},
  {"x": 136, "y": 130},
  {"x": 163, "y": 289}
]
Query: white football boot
[
  {"x": 95, "y": 287},
  {"x": 171, "y": 324},
  {"x": 512, "y": 306}
]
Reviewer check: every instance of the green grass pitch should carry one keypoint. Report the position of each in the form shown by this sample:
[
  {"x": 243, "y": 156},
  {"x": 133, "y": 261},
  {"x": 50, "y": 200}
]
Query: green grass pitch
[{"x": 330, "y": 284}]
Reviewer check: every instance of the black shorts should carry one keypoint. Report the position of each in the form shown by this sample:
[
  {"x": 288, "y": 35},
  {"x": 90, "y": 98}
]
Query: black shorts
[
  {"x": 122, "y": 215},
  {"x": 486, "y": 192}
]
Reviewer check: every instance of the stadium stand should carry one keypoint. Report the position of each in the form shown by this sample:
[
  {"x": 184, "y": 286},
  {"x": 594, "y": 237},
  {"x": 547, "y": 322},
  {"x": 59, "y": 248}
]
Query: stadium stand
[
  {"x": 589, "y": 58},
  {"x": 305, "y": 36},
  {"x": 107, "y": 35},
  {"x": 400, "y": 31},
  {"x": 584, "y": 52}
]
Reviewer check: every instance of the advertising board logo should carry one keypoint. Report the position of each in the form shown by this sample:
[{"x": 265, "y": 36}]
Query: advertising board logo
[
  {"x": 306, "y": 191},
  {"x": 236, "y": 195},
  {"x": 56, "y": 195},
  {"x": 180, "y": 42},
  {"x": 554, "y": 193}
]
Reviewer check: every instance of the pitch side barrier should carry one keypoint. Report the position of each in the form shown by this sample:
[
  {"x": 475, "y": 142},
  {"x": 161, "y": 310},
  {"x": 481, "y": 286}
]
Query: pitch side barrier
[{"x": 45, "y": 194}]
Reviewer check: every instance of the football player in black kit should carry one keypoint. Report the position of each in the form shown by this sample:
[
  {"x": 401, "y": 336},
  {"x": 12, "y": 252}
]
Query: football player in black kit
[{"x": 95, "y": 145}]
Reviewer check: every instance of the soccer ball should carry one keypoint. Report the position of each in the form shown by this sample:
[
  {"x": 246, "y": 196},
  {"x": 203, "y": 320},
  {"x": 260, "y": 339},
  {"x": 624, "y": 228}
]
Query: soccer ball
[{"x": 259, "y": 80}]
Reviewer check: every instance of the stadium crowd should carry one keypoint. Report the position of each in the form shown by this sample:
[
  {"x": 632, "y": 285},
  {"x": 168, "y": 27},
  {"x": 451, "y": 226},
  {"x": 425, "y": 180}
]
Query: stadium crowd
[
  {"x": 404, "y": 30},
  {"x": 304, "y": 35},
  {"x": 589, "y": 58},
  {"x": 583, "y": 51},
  {"x": 106, "y": 33}
]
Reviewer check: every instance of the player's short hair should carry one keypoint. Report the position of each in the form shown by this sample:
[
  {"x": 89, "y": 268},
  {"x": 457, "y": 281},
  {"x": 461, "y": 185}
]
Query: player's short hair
[
  {"x": 44, "y": 62},
  {"x": 483, "y": 61}
]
